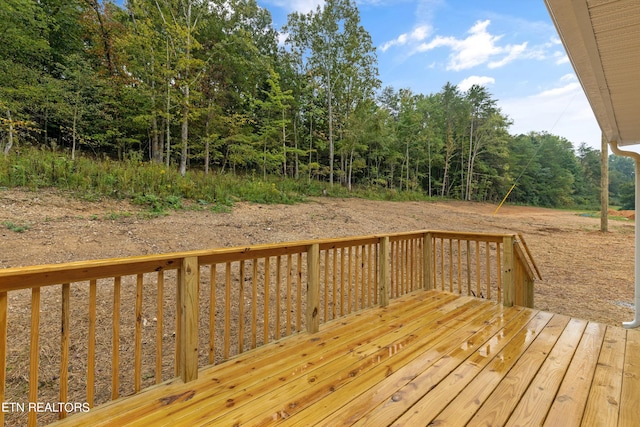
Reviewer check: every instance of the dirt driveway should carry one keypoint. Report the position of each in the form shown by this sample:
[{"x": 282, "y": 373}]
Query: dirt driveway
[{"x": 586, "y": 274}]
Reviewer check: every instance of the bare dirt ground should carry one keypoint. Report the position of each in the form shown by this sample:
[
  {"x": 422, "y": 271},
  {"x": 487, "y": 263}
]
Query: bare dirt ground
[{"x": 586, "y": 274}]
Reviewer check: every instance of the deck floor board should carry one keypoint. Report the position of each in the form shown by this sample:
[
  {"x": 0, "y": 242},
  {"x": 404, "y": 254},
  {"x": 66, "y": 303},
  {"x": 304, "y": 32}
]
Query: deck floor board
[{"x": 429, "y": 357}]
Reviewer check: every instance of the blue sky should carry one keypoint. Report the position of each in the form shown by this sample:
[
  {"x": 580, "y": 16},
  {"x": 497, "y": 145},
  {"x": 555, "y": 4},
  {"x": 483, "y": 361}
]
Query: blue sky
[{"x": 509, "y": 46}]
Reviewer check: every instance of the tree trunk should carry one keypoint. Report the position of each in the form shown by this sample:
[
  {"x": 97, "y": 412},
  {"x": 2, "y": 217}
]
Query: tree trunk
[
  {"x": 310, "y": 144},
  {"x": 207, "y": 140},
  {"x": 156, "y": 151},
  {"x": 296, "y": 172},
  {"x": 105, "y": 36},
  {"x": 185, "y": 133},
  {"x": 185, "y": 106},
  {"x": 470, "y": 165},
  {"x": 10, "y": 143},
  {"x": 73, "y": 130},
  {"x": 284, "y": 146},
  {"x": 350, "y": 169},
  {"x": 407, "y": 154},
  {"x": 168, "y": 109},
  {"x": 329, "y": 96}
]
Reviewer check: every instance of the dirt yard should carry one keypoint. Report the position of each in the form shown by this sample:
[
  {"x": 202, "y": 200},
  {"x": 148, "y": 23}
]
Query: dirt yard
[{"x": 586, "y": 274}]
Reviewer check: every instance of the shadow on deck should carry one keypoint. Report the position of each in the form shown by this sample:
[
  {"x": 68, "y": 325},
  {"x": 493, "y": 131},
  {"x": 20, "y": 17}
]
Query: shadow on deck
[{"x": 428, "y": 358}]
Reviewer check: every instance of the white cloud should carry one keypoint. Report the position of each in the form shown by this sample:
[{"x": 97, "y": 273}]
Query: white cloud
[
  {"x": 513, "y": 52},
  {"x": 561, "y": 110},
  {"x": 476, "y": 49},
  {"x": 475, "y": 80},
  {"x": 417, "y": 35},
  {"x": 302, "y": 6}
]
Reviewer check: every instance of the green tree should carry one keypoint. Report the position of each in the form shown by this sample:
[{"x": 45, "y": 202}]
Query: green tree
[{"x": 339, "y": 55}]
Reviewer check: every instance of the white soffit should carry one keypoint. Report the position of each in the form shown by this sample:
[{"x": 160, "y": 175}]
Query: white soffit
[{"x": 602, "y": 39}]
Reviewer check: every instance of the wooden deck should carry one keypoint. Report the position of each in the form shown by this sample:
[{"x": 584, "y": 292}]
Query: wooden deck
[{"x": 429, "y": 358}]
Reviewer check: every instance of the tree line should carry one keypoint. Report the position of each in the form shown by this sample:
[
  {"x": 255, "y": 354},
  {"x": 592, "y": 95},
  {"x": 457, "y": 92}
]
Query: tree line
[{"x": 212, "y": 86}]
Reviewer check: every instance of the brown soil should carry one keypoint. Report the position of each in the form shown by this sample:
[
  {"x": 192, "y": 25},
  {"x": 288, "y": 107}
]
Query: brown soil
[{"x": 586, "y": 274}]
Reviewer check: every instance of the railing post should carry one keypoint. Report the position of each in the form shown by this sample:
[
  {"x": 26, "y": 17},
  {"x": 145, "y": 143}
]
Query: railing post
[
  {"x": 384, "y": 262},
  {"x": 427, "y": 258},
  {"x": 508, "y": 271},
  {"x": 3, "y": 349},
  {"x": 313, "y": 288},
  {"x": 188, "y": 322}
]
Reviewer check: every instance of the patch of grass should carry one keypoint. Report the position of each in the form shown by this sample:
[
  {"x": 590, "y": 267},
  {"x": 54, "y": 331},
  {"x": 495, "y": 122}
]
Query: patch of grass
[
  {"x": 161, "y": 189},
  {"x": 17, "y": 228},
  {"x": 115, "y": 216},
  {"x": 597, "y": 215}
]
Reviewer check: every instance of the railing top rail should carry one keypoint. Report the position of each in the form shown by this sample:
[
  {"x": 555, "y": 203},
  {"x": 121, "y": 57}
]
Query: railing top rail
[
  {"x": 465, "y": 235},
  {"x": 16, "y": 278}
]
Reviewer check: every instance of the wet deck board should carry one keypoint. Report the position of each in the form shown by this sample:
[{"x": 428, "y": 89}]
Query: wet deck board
[{"x": 429, "y": 357}]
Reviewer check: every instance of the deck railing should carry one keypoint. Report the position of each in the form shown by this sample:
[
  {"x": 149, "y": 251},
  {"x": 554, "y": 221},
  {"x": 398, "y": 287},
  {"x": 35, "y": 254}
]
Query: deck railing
[{"x": 84, "y": 333}]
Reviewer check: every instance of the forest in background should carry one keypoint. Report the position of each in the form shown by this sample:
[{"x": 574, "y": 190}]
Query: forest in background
[{"x": 210, "y": 89}]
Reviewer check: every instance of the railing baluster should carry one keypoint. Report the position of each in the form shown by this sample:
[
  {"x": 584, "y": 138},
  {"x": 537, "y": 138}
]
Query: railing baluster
[
  {"x": 365, "y": 288},
  {"x": 212, "y": 313},
  {"x": 227, "y": 311},
  {"x": 450, "y": 265},
  {"x": 399, "y": 269},
  {"x": 427, "y": 266},
  {"x": 278, "y": 292},
  {"x": 376, "y": 273},
  {"x": 91, "y": 347},
  {"x": 442, "y": 264},
  {"x": 352, "y": 258},
  {"x": 355, "y": 279},
  {"x": 115, "y": 343},
  {"x": 241, "y": 309},
  {"x": 385, "y": 265},
  {"x": 468, "y": 267},
  {"x": 137, "y": 352},
  {"x": 370, "y": 276},
  {"x": 405, "y": 266},
  {"x": 499, "y": 272},
  {"x": 299, "y": 290},
  {"x": 3, "y": 349},
  {"x": 254, "y": 304},
  {"x": 326, "y": 285},
  {"x": 392, "y": 269},
  {"x": 289, "y": 304},
  {"x": 413, "y": 264},
  {"x": 159, "y": 324},
  {"x": 459, "y": 267},
  {"x": 478, "y": 290},
  {"x": 178, "y": 328},
  {"x": 34, "y": 353},
  {"x": 64, "y": 345},
  {"x": 342, "y": 273},
  {"x": 267, "y": 291},
  {"x": 487, "y": 247},
  {"x": 335, "y": 285}
]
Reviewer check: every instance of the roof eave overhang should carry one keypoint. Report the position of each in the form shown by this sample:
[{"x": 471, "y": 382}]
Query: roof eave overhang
[{"x": 575, "y": 28}]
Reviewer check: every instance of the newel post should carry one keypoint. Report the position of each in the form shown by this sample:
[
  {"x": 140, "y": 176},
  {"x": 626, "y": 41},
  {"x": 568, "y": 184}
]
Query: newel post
[
  {"x": 427, "y": 265},
  {"x": 508, "y": 272},
  {"x": 187, "y": 354},
  {"x": 384, "y": 261},
  {"x": 313, "y": 288}
]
